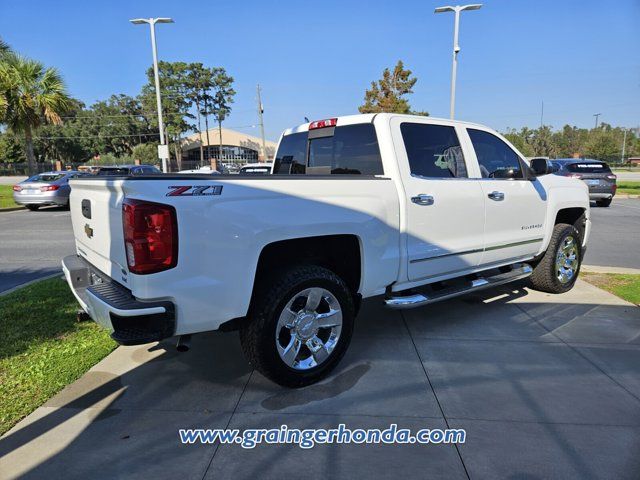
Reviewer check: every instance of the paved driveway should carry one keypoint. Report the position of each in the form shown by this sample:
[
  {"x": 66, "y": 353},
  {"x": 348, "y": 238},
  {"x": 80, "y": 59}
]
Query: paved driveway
[{"x": 546, "y": 387}]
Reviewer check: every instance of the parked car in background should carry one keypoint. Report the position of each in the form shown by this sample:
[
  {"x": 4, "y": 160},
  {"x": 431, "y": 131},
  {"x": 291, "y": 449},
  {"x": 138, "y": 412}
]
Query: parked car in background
[
  {"x": 203, "y": 170},
  {"x": 49, "y": 188},
  {"x": 256, "y": 169},
  {"x": 117, "y": 170},
  {"x": 596, "y": 174}
]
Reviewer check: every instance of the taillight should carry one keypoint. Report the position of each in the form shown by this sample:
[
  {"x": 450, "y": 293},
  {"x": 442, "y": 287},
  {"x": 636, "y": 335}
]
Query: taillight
[
  {"x": 575, "y": 175},
  {"x": 17, "y": 188},
  {"x": 150, "y": 236},
  {"x": 49, "y": 188},
  {"x": 329, "y": 122},
  {"x": 611, "y": 176}
]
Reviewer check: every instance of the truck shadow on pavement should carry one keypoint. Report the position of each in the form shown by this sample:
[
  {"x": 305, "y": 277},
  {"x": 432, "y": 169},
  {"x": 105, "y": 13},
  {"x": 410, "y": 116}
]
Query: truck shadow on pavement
[{"x": 532, "y": 378}]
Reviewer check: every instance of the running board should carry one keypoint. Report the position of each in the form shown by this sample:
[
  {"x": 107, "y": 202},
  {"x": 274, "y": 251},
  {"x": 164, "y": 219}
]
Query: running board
[{"x": 418, "y": 299}]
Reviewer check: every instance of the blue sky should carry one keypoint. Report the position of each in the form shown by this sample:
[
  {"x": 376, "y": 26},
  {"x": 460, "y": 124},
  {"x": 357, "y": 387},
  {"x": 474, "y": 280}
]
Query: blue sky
[{"x": 315, "y": 59}]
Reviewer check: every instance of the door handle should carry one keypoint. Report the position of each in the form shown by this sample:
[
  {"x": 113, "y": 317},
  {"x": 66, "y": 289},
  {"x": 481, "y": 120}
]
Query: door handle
[
  {"x": 422, "y": 199},
  {"x": 498, "y": 196}
]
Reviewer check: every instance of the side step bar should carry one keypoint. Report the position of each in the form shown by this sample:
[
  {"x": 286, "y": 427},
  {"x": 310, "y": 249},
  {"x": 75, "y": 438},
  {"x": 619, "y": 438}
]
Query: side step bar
[{"x": 414, "y": 300}]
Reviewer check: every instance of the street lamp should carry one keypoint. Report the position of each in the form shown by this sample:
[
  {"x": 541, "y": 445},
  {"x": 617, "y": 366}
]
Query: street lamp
[
  {"x": 456, "y": 48},
  {"x": 163, "y": 150}
]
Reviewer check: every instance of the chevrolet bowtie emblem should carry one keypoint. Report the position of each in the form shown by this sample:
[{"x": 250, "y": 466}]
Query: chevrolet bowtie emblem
[{"x": 88, "y": 230}]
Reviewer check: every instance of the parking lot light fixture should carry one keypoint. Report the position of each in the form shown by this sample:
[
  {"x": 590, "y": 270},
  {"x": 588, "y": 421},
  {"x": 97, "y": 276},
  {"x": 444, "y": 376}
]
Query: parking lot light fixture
[
  {"x": 152, "y": 25},
  {"x": 456, "y": 47}
]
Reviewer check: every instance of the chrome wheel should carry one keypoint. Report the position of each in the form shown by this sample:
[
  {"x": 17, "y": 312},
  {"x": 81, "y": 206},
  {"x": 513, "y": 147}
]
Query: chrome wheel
[
  {"x": 309, "y": 328},
  {"x": 567, "y": 260}
]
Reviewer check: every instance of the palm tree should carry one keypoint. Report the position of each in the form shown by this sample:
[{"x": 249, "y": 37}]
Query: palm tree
[
  {"x": 4, "y": 50},
  {"x": 33, "y": 95}
]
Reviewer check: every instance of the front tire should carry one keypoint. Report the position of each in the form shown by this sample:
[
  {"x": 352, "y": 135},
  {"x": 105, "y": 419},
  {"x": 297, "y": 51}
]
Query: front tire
[
  {"x": 33, "y": 208},
  {"x": 558, "y": 269},
  {"x": 604, "y": 202},
  {"x": 300, "y": 326}
]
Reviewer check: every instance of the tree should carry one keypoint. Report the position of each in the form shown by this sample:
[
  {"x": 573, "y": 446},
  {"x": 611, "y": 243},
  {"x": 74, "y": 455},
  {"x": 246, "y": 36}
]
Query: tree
[
  {"x": 223, "y": 94},
  {"x": 10, "y": 148},
  {"x": 174, "y": 89},
  {"x": 388, "y": 93},
  {"x": 146, "y": 153},
  {"x": 199, "y": 82},
  {"x": 34, "y": 95},
  {"x": 4, "y": 50}
]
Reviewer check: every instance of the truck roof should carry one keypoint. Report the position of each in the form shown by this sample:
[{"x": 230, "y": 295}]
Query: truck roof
[{"x": 368, "y": 118}]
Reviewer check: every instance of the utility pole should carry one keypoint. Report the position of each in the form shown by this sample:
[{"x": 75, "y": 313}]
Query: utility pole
[
  {"x": 260, "y": 112},
  {"x": 542, "y": 114},
  {"x": 597, "y": 115},
  {"x": 456, "y": 48},
  {"x": 163, "y": 149},
  {"x": 624, "y": 144}
]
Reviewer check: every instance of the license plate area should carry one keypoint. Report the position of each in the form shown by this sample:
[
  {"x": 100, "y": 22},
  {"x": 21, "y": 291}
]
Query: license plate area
[{"x": 592, "y": 183}]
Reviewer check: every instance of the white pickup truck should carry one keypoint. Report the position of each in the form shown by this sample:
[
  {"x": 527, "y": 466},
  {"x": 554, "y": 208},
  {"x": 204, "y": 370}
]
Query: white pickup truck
[{"x": 410, "y": 209}]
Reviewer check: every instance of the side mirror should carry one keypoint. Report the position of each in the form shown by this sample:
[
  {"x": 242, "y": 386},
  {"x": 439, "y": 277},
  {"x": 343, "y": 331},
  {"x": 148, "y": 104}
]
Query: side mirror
[{"x": 539, "y": 166}]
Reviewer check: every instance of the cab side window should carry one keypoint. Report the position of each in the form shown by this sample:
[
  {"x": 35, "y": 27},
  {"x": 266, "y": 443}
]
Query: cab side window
[
  {"x": 496, "y": 158},
  {"x": 433, "y": 150}
]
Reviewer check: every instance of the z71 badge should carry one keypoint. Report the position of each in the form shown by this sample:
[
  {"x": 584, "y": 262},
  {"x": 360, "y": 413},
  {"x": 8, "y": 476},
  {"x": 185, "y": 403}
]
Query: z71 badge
[{"x": 194, "y": 190}]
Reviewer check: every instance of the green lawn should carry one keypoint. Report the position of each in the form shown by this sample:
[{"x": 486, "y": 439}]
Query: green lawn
[
  {"x": 6, "y": 196},
  {"x": 42, "y": 347},
  {"x": 632, "y": 188},
  {"x": 625, "y": 286}
]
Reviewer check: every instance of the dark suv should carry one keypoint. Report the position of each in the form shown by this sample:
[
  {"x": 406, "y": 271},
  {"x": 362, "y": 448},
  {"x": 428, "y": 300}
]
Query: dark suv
[
  {"x": 117, "y": 170},
  {"x": 596, "y": 174}
]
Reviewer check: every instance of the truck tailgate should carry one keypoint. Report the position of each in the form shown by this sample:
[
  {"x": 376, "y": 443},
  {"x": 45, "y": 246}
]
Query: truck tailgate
[{"x": 96, "y": 213}]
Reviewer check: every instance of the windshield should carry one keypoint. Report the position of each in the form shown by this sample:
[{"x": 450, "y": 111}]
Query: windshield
[
  {"x": 589, "y": 167},
  {"x": 46, "y": 177}
]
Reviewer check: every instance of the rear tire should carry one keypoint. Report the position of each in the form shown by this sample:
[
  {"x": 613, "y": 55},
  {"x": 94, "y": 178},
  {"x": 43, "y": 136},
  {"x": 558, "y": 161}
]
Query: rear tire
[
  {"x": 33, "y": 208},
  {"x": 604, "y": 203},
  {"x": 286, "y": 339},
  {"x": 558, "y": 269}
]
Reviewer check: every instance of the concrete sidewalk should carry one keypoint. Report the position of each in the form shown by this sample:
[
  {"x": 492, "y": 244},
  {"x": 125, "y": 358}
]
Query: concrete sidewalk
[{"x": 546, "y": 387}]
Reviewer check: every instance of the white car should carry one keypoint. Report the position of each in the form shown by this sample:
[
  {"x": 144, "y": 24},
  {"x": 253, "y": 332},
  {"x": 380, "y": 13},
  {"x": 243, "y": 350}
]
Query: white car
[
  {"x": 204, "y": 170},
  {"x": 409, "y": 209}
]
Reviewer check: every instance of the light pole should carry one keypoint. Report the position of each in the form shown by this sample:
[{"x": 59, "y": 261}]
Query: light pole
[
  {"x": 456, "y": 48},
  {"x": 597, "y": 115},
  {"x": 163, "y": 150}
]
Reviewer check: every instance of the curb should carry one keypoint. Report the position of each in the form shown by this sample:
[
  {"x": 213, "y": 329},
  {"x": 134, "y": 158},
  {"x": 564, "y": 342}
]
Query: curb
[
  {"x": 30, "y": 282},
  {"x": 599, "y": 269},
  {"x": 11, "y": 209},
  {"x": 626, "y": 195}
]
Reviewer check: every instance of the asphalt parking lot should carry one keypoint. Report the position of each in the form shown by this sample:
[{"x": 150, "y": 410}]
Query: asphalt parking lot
[
  {"x": 32, "y": 244},
  {"x": 614, "y": 235},
  {"x": 545, "y": 386}
]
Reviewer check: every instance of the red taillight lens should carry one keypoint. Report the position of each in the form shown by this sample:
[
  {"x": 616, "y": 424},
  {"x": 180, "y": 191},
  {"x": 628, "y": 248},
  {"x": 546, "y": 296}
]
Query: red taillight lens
[
  {"x": 150, "y": 236},
  {"x": 17, "y": 188},
  {"x": 330, "y": 122},
  {"x": 49, "y": 188}
]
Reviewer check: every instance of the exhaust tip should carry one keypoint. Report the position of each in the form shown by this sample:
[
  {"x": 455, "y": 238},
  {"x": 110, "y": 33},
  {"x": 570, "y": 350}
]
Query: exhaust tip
[{"x": 184, "y": 343}]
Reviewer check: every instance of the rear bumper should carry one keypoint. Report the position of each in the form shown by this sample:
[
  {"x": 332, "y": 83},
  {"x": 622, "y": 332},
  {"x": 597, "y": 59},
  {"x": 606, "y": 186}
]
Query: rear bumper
[
  {"x": 600, "y": 195},
  {"x": 40, "y": 199},
  {"x": 131, "y": 321}
]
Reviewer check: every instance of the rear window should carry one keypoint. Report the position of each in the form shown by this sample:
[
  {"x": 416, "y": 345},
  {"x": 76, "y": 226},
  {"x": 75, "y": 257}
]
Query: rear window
[
  {"x": 45, "y": 177},
  {"x": 433, "y": 150},
  {"x": 588, "y": 167},
  {"x": 352, "y": 149},
  {"x": 113, "y": 171}
]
